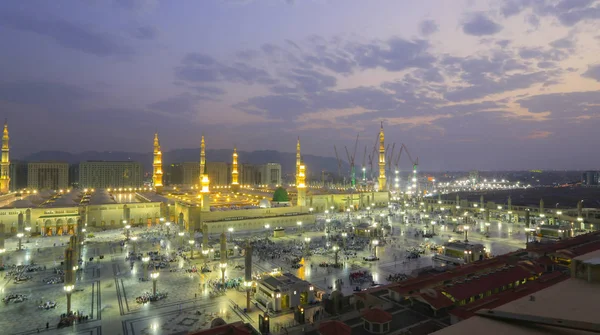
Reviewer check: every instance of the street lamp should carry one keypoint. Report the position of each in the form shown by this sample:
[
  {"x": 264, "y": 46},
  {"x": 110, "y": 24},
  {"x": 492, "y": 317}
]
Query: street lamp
[
  {"x": 375, "y": 244},
  {"x": 223, "y": 266},
  {"x": 145, "y": 261},
  {"x": 433, "y": 227},
  {"x": 335, "y": 250},
  {"x": 230, "y": 230},
  {"x": 69, "y": 289},
  {"x": 134, "y": 238},
  {"x": 299, "y": 223},
  {"x": 127, "y": 227},
  {"x": 344, "y": 235},
  {"x": 20, "y": 236},
  {"x": 466, "y": 228},
  {"x": 192, "y": 242},
  {"x": 348, "y": 211},
  {"x": 168, "y": 223},
  {"x": 154, "y": 276},
  {"x": 181, "y": 237},
  {"x": 487, "y": 228},
  {"x": 307, "y": 245}
]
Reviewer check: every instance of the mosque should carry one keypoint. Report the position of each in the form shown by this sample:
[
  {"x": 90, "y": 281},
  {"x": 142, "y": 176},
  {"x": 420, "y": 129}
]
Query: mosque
[{"x": 201, "y": 208}]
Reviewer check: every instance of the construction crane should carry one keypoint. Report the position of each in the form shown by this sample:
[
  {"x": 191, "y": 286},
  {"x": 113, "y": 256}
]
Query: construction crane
[
  {"x": 364, "y": 167},
  {"x": 351, "y": 162},
  {"x": 397, "y": 170},
  {"x": 390, "y": 157},
  {"x": 339, "y": 165},
  {"x": 415, "y": 164}
]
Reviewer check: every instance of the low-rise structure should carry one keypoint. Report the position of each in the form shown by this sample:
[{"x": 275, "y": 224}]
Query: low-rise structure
[{"x": 284, "y": 292}]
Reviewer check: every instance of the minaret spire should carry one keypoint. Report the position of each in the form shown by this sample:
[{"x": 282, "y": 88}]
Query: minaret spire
[
  {"x": 235, "y": 185},
  {"x": 5, "y": 161},
  {"x": 382, "y": 181},
  {"x": 202, "y": 159},
  {"x": 157, "y": 173},
  {"x": 298, "y": 160}
]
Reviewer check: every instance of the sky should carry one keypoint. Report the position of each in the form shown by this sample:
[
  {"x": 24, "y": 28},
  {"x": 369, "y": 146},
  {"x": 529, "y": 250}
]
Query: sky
[{"x": 464, "y": 84}]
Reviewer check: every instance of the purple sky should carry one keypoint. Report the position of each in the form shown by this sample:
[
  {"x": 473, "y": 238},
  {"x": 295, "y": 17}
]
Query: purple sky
[{"x": 470, "y": 84}]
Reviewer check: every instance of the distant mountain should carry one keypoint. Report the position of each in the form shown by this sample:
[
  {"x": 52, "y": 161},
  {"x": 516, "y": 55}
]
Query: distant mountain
[{"x": 314, "y": 164}]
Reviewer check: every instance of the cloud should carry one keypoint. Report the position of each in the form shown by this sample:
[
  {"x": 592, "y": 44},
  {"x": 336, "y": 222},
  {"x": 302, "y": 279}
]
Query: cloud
[
  {"x": 146, "y": 33},
  {"x": 396, "y": 54},
  {"x": 485, "y": 86},
  {"x": 538, "y": 134},
  {"x": 563, "y": 43},
  {"x": 180, "y": 105},
  {"x": 311, "y": 81},
  {"x": 67, "y": 34},
  {"x": 567, "y": 12},
  {"x": 139, "y": 6},
  {"x": 54, "y": 95},
  {"x": 206, "y": 90},
  {"x": 201, "y": 68},
  {"x": 479, "y": 24},
  {"x": 428, "y": 27},
  {"x": 593, "y": 72},
  {"x": 563, "y": 105}
]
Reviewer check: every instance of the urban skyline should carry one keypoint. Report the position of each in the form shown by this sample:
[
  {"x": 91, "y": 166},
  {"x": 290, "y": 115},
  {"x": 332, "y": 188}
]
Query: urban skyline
[{"x": 486, "y": 85}]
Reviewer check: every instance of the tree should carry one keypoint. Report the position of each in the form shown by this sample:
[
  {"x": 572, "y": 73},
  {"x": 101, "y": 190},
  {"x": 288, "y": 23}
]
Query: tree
[{"x": 280, "y": 195}]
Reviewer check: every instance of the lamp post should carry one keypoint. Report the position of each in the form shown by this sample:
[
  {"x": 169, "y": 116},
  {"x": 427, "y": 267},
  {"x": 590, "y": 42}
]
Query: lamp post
[
  {"x": 344, "y": 235},
  {"x": 558, "y": 214},
  {"x": 167, "y": 224},
  {"x": 230, "y": 230},
  {"x": 192, "y": 242},
  {"x": 433, "y": 227},
  {"x": 127, "y": 227},
  {"x": 267, "y": 226},
  {"x": 311, "y": 210},
  {"x": 307, "y": 246},
  {"x": 348, "y": 211},
  {"x": 68, "y": 290},
  {"x": 375, "y": 243},
  {"x": 336, "y": 249},
  {"x": 133, "y": 239},
  {"x": 487, "y": 228},
  {"x": 145, "y": 261},
  {"x": 466, "y": 228},
  {"x": 154, "y": 276},
  {"x": 181, "y": 237},
  {"x": 20, "y": 236},
  {"x": 299, "y": 224},
  {"x": 223, "y": 266}
]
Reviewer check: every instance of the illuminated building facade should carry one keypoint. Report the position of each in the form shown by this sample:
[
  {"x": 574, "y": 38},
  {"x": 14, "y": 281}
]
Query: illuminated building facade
[
  {"x": 157, "y": 173},
  {"x": 103, "y": 174},
  {"x": 5, "y": 162},
  {"x": 47, "y": 175}
]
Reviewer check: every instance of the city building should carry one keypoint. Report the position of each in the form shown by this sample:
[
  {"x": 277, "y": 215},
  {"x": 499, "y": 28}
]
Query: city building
[
  {"x": 270, "y": 174},
  {"x": 174, "y": 174},
  {"x": 218, "y": 173},
  {"x": 590, "y": 178},
  {"x": 47, "y": 175},
  {"x": 74, "y": 175},
  {"x": 191, "y": 173},
  {"x": 110, "y": 174},
  {"x": 18, "y": 175},
  {"x": 284, "y": 292}
]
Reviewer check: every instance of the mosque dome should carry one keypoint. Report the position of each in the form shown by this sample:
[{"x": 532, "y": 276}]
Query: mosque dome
[{"x": 264, "y": 203}]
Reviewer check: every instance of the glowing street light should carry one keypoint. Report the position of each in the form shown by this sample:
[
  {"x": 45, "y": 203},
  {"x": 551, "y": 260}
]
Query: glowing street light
[
  {"x": 145, "y": 261},
  {"x": 466, "y": 229},
  {"x": 154, "y": 275},
  {"x": 20, "y": 236},
  {"x": 192, "y": 242}
]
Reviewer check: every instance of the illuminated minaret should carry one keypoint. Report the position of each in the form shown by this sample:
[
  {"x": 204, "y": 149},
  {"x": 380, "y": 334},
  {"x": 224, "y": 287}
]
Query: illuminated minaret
[
  {"x": 202, "y": 160},
  {"x": 223, "y": 264},
  {"x": 157, "y": 174},
  {"x": 5, "y": 163},
  {"x": 382, "y": 182},
  {"x": 298, "y": 158},
  {"x": 235, "y": 185},
  {"x": 204, "y": 181},
  {"x": 301, "y": 184}
]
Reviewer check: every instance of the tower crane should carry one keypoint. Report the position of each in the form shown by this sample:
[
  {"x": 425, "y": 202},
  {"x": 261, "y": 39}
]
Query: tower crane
[
  {"x": 415, "y": 164},
  {"x": 364, "y": 167},
  {"x": 397, "y": 170},
  {"x": 351, "y": 162},
  {"x": 339, "y": 164}
]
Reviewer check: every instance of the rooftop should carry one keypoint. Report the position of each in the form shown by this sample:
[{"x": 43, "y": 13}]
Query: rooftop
[
  {"x": 377, "y": 315},
  {"x": 569, "y": 299}
]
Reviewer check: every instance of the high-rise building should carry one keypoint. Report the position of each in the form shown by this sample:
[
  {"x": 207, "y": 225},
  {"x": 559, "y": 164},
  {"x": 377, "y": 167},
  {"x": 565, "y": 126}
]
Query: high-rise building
[
  {"x": 5, "y": 162},
  {"x": 74, "y": 175},
  {"x": 270, "y": 174},
  {"x": 218, "y": 173},
  {"x": 191, "y": 173},
  {"x": 590, "y": 178},
  {"x": 18, "y": 175},
  {"x": 174, "y": 174},
  {"x": 48, "y": 175},
  {"x": 107, "y": 174}
]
